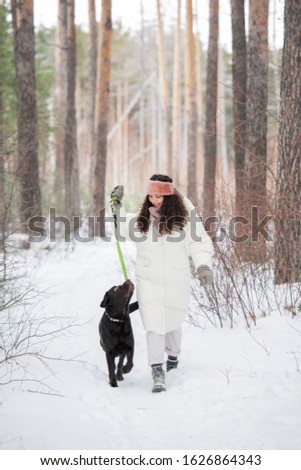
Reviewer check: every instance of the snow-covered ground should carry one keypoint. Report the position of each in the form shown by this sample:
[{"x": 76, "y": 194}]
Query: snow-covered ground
[{"x": 234, "y": 389}]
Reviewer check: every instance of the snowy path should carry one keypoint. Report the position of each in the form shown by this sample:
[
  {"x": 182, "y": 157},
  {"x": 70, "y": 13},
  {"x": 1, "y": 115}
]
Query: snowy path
[{"x": 228, "y": 393}]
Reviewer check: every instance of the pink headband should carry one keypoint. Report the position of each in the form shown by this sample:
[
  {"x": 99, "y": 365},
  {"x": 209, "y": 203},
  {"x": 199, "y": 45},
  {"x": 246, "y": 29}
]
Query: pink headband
[{"x": 161, "y": 188}]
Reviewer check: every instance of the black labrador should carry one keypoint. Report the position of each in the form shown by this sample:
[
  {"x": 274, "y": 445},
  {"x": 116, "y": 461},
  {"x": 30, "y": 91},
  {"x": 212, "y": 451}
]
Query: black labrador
[{"x": 115, "y": 330}]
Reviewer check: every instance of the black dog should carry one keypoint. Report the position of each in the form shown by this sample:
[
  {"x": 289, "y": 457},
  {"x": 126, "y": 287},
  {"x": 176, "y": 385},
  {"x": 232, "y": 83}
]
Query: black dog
[{"x": 115, "y": 330}]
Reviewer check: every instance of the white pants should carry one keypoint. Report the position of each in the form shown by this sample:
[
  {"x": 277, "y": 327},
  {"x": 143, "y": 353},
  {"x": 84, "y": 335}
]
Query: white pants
[{"x": 158, "y": 344}]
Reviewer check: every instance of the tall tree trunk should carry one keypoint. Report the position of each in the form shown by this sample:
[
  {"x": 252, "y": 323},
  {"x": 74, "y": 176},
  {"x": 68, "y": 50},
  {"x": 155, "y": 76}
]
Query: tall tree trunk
[
  {"x": 101, "y": 113},
  {"x": 2, "y": 200},
  {"x": 60, "y": 99},
  {"x": 222, "y": 156},
  {"x": 164, "y": 92},
  {"x": 118, "y": 140},
  {"x": 125, "y": 132},
  {"x": 71, "y": 156},
  {"x": 288, "y": 194},
  {"x": 275, "y": 86},
  {"x": 2, "y": 181},
  {"x": 256, "y": 142},
  {"x": 239, "y": 83},
  {"x": 154, "y": 132},
  {"x": 191, "y": 107},
  {"x": 141, "y": 102},
  {"x": 211, "y": 109},
  {"x": 199, "y": 103},
  {"x": 92, "y": 88},
  {"x": 176, "y": 103},
  {"x": 28, "y": 171}
]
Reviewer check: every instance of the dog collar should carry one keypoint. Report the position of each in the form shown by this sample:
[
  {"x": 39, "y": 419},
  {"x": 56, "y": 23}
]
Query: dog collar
[{"x": 115, "y": 320}]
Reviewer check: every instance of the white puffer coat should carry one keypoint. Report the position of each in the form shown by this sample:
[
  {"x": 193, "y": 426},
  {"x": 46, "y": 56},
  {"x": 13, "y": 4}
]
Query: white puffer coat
[{"x": 163, "y": 270}]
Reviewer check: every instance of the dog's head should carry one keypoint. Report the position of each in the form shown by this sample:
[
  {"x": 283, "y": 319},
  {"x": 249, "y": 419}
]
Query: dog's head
[{"x": 116, "y": 300}]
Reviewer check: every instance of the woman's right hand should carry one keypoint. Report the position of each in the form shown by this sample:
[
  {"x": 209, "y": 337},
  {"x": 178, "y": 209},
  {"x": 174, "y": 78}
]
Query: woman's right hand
[
  {"x": 117, "y": 193},
  {"x": 116, "y": 198}
]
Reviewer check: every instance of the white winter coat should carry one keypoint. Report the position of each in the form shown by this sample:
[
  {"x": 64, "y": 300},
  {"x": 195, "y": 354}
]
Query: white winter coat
[{"x": 163, "y": 271}]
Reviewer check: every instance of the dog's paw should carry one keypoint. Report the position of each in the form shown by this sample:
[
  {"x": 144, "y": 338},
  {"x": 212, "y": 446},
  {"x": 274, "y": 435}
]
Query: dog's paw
[
  {"x": 114, "y": 383},
  {"x": 119, "y": 376},
  {"x": 127, "y": 368}
]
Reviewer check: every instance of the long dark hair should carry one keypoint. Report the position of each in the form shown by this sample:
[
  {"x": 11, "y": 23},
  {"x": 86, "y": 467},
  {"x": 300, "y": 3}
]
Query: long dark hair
[{"x": 173, "y": 212}]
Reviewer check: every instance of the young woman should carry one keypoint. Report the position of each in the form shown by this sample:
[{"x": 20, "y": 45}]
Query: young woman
[{"x": 167, "y": 232}]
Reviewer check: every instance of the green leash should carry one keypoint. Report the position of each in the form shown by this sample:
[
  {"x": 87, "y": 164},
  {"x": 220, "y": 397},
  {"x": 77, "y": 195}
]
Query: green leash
[{"x": 121, "y": 259}]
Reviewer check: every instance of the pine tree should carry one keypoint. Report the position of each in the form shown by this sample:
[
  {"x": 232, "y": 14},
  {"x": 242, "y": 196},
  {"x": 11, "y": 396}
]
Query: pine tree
[
  {"x": 191, "y": 106},
  {"x": 70, "y": 148},
  {"x": 164, "y": 92},
  {"x": 288, "y": 193},
  {"x": 239, "y": 73},
  {"x": 2, "y": 79},
  {"x": 92, "y": 85},
  {"x": 102, "y": 113},
  {"x": 256, "y": 141},
  {"x": 28, "y": 171},
  {"x": 60, "y": 97},
  {"x": 176, "y": 104},
  {"x": 211, "y": 111}
]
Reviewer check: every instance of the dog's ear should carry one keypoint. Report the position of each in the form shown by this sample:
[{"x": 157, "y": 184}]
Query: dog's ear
[{"x": 104, "y": 301}]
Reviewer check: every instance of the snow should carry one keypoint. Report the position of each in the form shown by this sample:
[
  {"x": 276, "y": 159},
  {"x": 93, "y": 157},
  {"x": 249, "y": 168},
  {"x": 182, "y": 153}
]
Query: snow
[{"x": 234, "y": 388}]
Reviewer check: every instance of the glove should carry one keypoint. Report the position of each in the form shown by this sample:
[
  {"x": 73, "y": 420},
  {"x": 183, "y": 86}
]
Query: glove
[
  {"x": 116, "y": 197},
  {"x": 117, "y": 193},
  {"x": 205, "y": 275}
]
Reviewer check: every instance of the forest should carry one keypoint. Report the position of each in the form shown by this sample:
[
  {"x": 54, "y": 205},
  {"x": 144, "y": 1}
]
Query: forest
[
  {"x": 80, "y": 115},
  {"x": 83, "y": 109}
]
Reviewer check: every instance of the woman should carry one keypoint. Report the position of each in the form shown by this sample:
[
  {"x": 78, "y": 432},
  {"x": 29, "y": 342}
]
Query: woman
[{"x": 168, "y": 233}]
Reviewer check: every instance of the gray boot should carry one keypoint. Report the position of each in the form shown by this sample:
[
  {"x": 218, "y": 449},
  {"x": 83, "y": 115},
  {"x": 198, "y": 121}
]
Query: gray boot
[
  {"x": 171, "y": 364},
  {"x": 159, "y": 379}
]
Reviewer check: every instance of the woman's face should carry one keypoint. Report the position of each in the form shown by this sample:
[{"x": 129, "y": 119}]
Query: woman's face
[{"x": 156, "y": 200}]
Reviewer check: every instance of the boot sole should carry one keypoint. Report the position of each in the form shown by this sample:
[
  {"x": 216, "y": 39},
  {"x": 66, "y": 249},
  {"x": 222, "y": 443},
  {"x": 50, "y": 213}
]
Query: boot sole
[{"x": 158, "y": 390}]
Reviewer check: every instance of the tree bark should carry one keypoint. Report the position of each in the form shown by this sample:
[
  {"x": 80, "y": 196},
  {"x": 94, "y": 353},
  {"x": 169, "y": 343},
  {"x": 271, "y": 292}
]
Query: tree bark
[
  {"x": 176, "y": 103},
  {"x": 101, "y": 113},
  {"x": 92, "y": 87},
  {"x": 164, "y": 93},
  {"x": 288, "y": 192},
  {"x": 2, "y": 200},
  {"x": 2, "y": 180},
  {"x": 211, "y": 110},
  {"x": 221, "y": 153},
  {"x": 28, "y": 170},
  {"x": 191, "y": 107},
  {"x": 70, "y": 148},
  {"x": 142, "y": 114},
  {"x": 200, "y": 120},
  {"x": 239, "y": 83},
  {"x": 256, "y": 142},
  {"x": 60, "y": 97}
]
